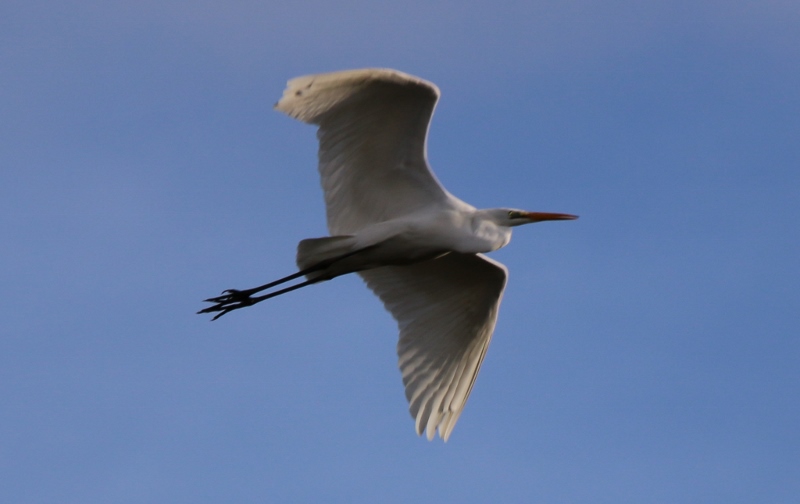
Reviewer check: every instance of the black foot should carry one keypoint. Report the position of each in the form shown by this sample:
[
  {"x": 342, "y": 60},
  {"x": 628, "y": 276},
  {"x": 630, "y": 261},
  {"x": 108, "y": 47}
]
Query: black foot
[{"x": 231, "y": 299}]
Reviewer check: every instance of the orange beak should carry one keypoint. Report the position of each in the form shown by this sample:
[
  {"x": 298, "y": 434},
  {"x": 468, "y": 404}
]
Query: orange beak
[{"x": 545, "y": 216}]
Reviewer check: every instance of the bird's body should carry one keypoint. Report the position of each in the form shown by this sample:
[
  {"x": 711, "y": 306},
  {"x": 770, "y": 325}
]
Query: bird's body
[
  {"x": 419, "y": 248},
  {"x": 409, "y": 239}
]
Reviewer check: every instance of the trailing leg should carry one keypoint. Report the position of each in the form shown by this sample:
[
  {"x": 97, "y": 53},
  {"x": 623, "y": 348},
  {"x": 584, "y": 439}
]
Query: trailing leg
[{"x": 315, "y": 257}]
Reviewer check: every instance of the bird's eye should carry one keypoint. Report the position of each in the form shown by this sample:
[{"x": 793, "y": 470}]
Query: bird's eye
[{"x": 514, "y": 215}]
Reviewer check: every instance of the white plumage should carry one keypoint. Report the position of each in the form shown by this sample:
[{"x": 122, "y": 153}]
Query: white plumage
[
  {"x": 372, "y": 130},
  {"x": 419, "y": 248}
]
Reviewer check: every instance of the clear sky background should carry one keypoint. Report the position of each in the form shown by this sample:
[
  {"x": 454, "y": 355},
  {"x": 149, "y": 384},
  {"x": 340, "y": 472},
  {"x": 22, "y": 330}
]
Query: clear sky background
[{"x": 648, "y": 352}]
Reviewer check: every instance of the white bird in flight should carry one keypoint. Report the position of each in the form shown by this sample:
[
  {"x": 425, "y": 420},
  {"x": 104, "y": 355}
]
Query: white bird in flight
[{"x": 418, "y": 247}]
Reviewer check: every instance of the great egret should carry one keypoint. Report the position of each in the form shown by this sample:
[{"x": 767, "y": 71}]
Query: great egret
[{"x": 419, "y": 248}]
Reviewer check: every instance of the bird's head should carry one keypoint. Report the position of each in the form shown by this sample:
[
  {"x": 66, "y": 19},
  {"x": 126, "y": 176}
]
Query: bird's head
[{"x": 511, "y": 217}]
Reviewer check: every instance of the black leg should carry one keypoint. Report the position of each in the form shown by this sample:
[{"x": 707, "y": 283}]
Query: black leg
[
  {"x": 226, "y": 294},
  {"x": 233, "y": 299},
  {"x": 240, "y": 299}
]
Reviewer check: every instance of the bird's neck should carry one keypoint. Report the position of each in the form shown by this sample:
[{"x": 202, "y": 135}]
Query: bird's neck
[{"x": 487, "y": 230}]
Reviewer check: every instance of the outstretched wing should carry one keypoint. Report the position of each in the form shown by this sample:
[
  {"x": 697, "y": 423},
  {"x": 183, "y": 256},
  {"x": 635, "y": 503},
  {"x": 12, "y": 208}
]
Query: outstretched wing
[
  {"x": 373, "y": 125},
  {"x": 446, "y": 309}
]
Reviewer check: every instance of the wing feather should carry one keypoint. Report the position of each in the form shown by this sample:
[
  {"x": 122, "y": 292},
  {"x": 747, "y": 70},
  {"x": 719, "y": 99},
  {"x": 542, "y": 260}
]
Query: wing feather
[
  {"x": 373, "y": 126},
  {"x": 446, "y": 309}
]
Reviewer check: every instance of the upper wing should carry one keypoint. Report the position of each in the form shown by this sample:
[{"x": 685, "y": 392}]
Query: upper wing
[
  {"x": 373, "y": 126},
  {"x": 446, "y": 309}
]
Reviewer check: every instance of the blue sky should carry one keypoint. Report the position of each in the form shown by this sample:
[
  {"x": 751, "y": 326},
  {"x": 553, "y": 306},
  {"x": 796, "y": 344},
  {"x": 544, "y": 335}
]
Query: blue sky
[{"x": 646, "y": 353}]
